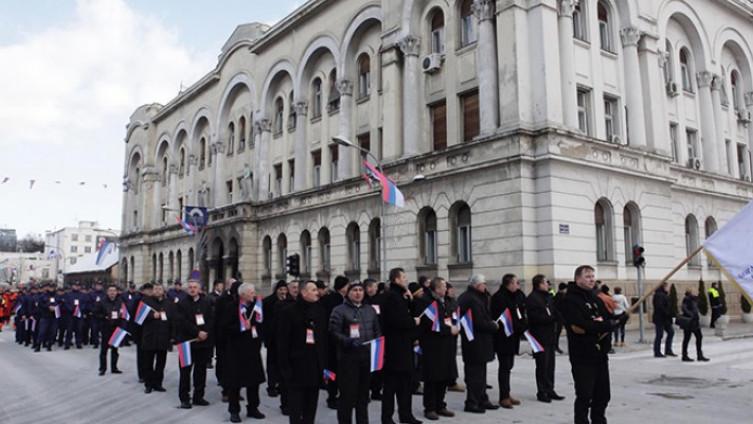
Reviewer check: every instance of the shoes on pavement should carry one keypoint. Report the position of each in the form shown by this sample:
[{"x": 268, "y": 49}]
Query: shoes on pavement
[
  {"x": 457, "y": 387},
  {"x": 235, "y": 418},
  {"x": 703, "y": 359},
  {"x": 117, "y": 371},
  {"x": 475, "y": 409},
  {"x": 431, "y": 415},
  {"x": 506, "y": 403},
  {"x": 101, "y": 372},
  {"x": 444, "y": 412},
  {"x": 658, "y": 355},
  {"x": 490, "y": 406},
  {"x": 514, "y": 401},
  {"x": 670, "y": 354},
  {"x": 555, "y": 396},
  {"x": 159, "y": 389},
  {"x": 410, "y": 420},
  {"x": 147, "y": 390},
  {"x": 185, "y": 405},
  {"x": 542, "y": 397},
  {"x": 687, "y": 359},
  {"x": 201, "y": 402},
  {"x": 272, "y": 392},
  {"x": 255, "y": 413}
]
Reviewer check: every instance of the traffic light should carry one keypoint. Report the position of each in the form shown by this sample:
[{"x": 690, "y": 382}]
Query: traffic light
[
  {"x": 638, "y": 259},
  {"x": 293, "y": 265}
]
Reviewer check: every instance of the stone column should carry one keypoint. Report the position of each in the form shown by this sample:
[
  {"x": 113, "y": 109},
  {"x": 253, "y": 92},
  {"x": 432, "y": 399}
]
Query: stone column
[
  {"x": 651, "y": 62},
  {"x": 727, "y": 158},
  {"x": 708, "y": 129},
  {"x": 172, "y": 191},
  {"x": 567, "y": 65},
  {"x": 345, "y": 154},
  {"x": 218, "y": 164},
  {"x": 411, "y": 81},
  {"x": 256, "y": 190},
  {"x": 633, "y": 87},
  {"x": 193, "y": 169},
  {"x": 301, "y": 149},
  {"x": 486, "y": 66},
  {"x": 264, "y": 169},
  {"x": 392, "y": 130}
]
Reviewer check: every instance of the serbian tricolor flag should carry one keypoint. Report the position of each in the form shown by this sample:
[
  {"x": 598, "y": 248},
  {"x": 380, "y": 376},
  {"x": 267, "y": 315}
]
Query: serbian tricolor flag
[
  {"x": 124, "y": 312},
  {"x": 57, "y": 311},
  {"x": 432, "y": 312},
  {"x": 117, "y": 337},
  {"x": 242, "y": 318},
  {"x": 377, "y": 354},
  {"x": 329, "y": 375},
  {"x": 506, "y": 319},
  {"x": 390, "y": 193},
  {"x": 190, "y": 229},
  {"x": 77, "y": 311},
  {"x": 466, "y": 322},
  {"x": 259, "y": 310},
  {"x": 184, "y": 354},
  {"x": 141, "y": 313},
  {"x": 535, "y": 345}
]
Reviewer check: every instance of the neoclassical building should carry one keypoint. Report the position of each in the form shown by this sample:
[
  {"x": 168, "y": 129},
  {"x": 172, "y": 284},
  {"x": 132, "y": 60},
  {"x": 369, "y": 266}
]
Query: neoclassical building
[{"x": 526, "y": 135}]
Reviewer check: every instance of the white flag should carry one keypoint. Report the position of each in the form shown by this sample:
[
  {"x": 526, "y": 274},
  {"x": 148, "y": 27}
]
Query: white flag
[{"x": 732, "y": 248}]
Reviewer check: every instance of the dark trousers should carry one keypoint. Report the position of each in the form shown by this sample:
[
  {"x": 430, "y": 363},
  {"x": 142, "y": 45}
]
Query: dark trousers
[
  {"x": 591, "y": 391},
  {"x": 64, "y": 322},
  {"x": 103, "y": 348},
  {"x": 20, "y": 329},
  {"x": 434, "y": 392},
  {"x": 153, "y": 363},
  {"x": 302, "y": 403},
  {"x": 376, "y": 383},
  {"x": 619, "y": 333},
  {"x": 332, "y": 386},
  {"x": 475, "y": 385},
  {"x": 74, "y": 326},
  {"x": 354, "y": 377},
  {"x": 506, "y": 363},
  {"x": 715, "y": 314},
  {"x": 660, "y": 329},
  {"x": 142, "y": 364},
  {"x": 273, "y": 374},
  {"x": 46, "y": 332},
  {"x": 219, "y": 367},
  {"x": 698, "y": 341},
  {"x": 95, "y": 327},
  {"x": 397, "y": 384},
  {"x": 234, "y": 398},
  {"x": 545, "y": 370},
  {"x": 558, "y": 333},
  {"x": 200, "y": 358}
]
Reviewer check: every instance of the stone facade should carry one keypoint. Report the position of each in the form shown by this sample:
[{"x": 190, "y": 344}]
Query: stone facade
[{"x": 527, "y": 136}]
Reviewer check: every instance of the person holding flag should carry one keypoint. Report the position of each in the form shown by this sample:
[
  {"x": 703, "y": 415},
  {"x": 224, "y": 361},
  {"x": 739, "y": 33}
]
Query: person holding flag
[
  {"x": 94, "y": 298},
  {"x": 156, "y": 335},
  {"x": 108, "y": 313},
  {"x": 437, "y": 349},
  {"x": 542, "y": 323},
  {"x": 48, "y": 310},
  {"x": 511, "y": 301},
  {"x": 241, "y": 360},
  {"x": 74, "y": 301}
]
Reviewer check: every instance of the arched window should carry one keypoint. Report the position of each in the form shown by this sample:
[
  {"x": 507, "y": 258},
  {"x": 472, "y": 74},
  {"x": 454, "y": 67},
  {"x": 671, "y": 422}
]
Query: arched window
[
  {"x": 631, "y": 220},
  {"x": 161, "y": 268},
  {"x": 687, "y": 81},
  {"x": 282, "y": 253},
  {"x": 202, "y": 153},
  {"x": 375, "y": 246},
  {"x": 669, "y": 63},
  {"x": 291, "y": 111},
  {"x": 241, "y": 134},
  {"x": 133, "y": 266},
  {"x": 178, "y": 266},
  {"x": 437, "y": 31},
  {"x": 230, "y": 139},
  {"x": 427, "y": 229},
  {"x": 734, "y": 79},
  {"x": 182, "y": 162},
  {"x": 316, "y": 98},
  {"x": 267, "y": 255},
  {"x": 460, "y": 230},
  {"x": 604, "y": 231},
  {"x": 691, "y": 239},
  {"x": 364, "y": 75},
  {"x": 154, "y": 267},
  {"x": 333, "y": 101},
  {"x": 467, "y": 24},
  {"x": 124, "y": 269},
  {"x": 710, "y": 226},
  {"x": 605, "y": 27},
  {"x": 305, "y": 253},
  {"x": 191, "y": 261},
  {"x": 324, "y": 249},
  {"x": 171, "y": 265},
  {"x": 580, "y": 21},
  {"x": 279, "y": 115},
  {"x": 164, "y": 171},
  {"x": 353, "y": 237},
  {"x": 136, "y": 178}
]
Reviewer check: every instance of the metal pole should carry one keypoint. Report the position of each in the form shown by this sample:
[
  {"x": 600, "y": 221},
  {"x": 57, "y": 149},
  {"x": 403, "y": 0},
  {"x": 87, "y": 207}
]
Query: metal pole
[
  {"x": 382, "y": 230},
  {"x": 640, "y": 303}
]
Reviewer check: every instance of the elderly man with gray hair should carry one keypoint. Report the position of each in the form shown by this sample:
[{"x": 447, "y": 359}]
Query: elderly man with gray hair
[{"x": 479, "y": 351}]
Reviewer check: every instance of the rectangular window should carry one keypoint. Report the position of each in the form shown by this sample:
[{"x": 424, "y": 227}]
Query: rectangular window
[
  {"x": 333, "y": 154},
  {"x": 325, "y": 255},
  {"x": 87, "y": 249},
  {"x": 74, "y": 249},
  {"x": 307, "y": 258},
  {"x": 584, "y": 110},
  {"x": 470, "y": 110},
  {"x": 610, "y": 118},
  {"x": 88, "y": 238},
  {"x": 692, "y": 140},
  {"x": 580, "y": 30},
  {"x": 364, "y": 141},
  {"x": 728, "y": 151},
  {"x": 601, "y": 243},
  {"x": 674, "y": 142},
  {"x": 464, "y": 244},
  {"x": 73, "y": 261},
  {"x": 355, "y": 259},
  {"x": 180, "y": 207},
  {"x": 229, "y": 190},
  {"x": 316, "y": 160},
  {"x": 741, "y": 153},
  {"x": 437, "y": 40},
  {"x": 164, "y": 212},
  {"x": 468, "y": 36},
  {"x": 74, "y": 237},
  {"x": 278, "y": 179},
  {"x": 135, "y": 219},
  {"x": 380, "y": 144},
  {"x": 438, "y": 112},
  {"x": 431, "y": 247},
  {"x": 291, "y": 180},
  {"x": 364, "y": 84}
]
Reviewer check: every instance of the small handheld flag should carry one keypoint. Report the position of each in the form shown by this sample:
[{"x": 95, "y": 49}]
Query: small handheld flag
[
  {"x": 124, "y": 312},
  {"x": 329, "y": 375},
  {"x": 17, "y": 308},
  {"x": 377, "y": 353},
  {"x": 117, "y": 337},
  {"x": 77, "y": 311},
  {"x": 506, "y": 318},
  {"x": 141, "y": 313},
  {"x": 466, "y": 322},
  {"x": 432, "y": 312},
  {"x": 259, "y": 310},
  {"x": 184, "y": 354},
  {"x": 535, "y": 345},
  {"x": 57, "y": 311},
  {"x": 242, "y": 317}
]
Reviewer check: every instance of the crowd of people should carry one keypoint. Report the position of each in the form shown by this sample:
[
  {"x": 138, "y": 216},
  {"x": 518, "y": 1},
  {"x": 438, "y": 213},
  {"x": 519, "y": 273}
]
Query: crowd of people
[{"x": 361, "y": 341}]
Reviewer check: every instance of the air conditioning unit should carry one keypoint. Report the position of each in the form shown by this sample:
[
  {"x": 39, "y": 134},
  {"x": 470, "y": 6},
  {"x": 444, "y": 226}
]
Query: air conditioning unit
[
  {"x": 432, "y": 63},
  {"x": 672, "y": 89},
  {"x": 694, "y": 163},
  {"x": 615, "y": 139}
]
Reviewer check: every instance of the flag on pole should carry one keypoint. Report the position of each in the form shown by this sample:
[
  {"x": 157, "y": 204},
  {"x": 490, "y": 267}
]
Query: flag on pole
[
  {"x": 242, "y": 317},
  {"x": 124, "y": 312},
  {"x": 377, "y": 353},
  {"x": 184, "y": 354},
  {"x": 535, "y": 345},
  {"x": 432, "y": 312},
  {"x": 729, "y": 247},
  {"x": 506, "y": 318},
  {"x": 190, "y": 229},
  {"x": 329, "y": 375},
  {"x": 141, "y": 313},
  {"x": 105, "y": 247},
  {"x": 390, "y": 193},
  {"x": 466, "y": 322},
  {"x": 117, "y": 337},
  {"x": 259, "y": 310}
]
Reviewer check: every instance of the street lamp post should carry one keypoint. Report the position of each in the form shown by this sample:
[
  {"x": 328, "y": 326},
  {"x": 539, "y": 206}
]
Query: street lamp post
[{"x": 382, "y": 239}]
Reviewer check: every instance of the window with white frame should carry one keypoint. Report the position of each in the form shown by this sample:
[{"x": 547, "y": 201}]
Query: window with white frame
[
  {"x": 580, "y": 23},
  {"x": 437, "y": 32},
  {"x": 603, "y": 223},
  {"x": 316, "y": 98},
  {"x": 610, "y": 118},
  {"x": 584, "y": 110},
  {"x": 364, "y": 76},
  {"x": 674, "y": 142},
  {"x": 691, "y": 137},
  {"x": 461, "y": 243},
  {"x": 468, "y": 34},
  {"x": 605, "y": 27},
  {"x": 687, "y": 80}
]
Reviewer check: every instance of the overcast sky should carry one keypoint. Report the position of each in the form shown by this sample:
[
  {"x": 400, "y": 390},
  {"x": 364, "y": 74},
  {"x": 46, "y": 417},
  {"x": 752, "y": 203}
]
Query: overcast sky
[{"x": 72, "y": 72}]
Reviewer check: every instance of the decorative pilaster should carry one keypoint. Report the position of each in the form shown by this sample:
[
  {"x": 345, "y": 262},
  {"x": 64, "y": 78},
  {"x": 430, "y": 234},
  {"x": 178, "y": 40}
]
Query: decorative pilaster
[
  {"x": 486, "y": 66},
  {"x": 708, "y": 128},
  {"x": 344, "y": 129},
  {"x": 301, "y": 151},
  {"x": 631, "y": 36},
  {"x": 567, "y": 64},
  {"x": 411, "y": 109}
]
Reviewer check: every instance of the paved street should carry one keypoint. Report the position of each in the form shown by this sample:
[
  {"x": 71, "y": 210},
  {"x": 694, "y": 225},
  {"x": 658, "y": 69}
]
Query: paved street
[{"x": 63, "y": 387}]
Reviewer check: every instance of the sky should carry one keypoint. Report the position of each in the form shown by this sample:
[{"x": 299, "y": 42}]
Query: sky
[{"x": 71, "y": 74}]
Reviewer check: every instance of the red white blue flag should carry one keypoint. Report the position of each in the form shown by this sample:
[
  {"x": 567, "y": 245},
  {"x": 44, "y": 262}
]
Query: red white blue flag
[
  {"x": 377, "y": 354},
  {"x": 141, "y": 313},
  {"x": 77, "y": 311},
  {"x": 535, "y": 345},
  {"x": 117, "y": 337},
  {"x": 57, "y": 311},
  {"x": 190, "y": 229},
  {"x": 432, "y": 312},
  {"x": 242, "y": 318},
  {"x": 124, "y": 312},
  {"x": 506, "y": 319},
  {"x": 184, "y": 354},
  {"x": 329, "y": 375},
  {"x": 466, "y": 322},
  {"x": 390, "y": 193},
  {"x": 259, "y": 310}
]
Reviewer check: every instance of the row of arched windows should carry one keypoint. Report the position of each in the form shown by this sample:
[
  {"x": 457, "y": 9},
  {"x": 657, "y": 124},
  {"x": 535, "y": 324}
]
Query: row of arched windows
[
  {"x": 169, "y": 270},
  {"x": 466, "y": 28}
]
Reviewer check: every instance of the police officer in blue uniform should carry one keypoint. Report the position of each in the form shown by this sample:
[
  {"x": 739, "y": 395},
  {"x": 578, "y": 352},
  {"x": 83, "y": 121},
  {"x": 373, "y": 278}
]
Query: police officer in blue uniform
[
  {"x": 95, "y": 298},
  {"x": 47, "y": 302},
  {"x": 74, "y": 302}
]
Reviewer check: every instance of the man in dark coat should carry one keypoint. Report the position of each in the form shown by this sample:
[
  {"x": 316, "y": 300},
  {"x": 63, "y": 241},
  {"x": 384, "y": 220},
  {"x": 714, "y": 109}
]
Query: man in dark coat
[
  {"x": 508, "y": 297},
  {"x": 400, "y": 330},
  {"x": 96, "y": 296},
  {"x": 480, "y": 351},
  {"x": 437, "y": 350},
  {"x": 372, "y": 297},
  {"x": 329, "y": 302},
  {"x": 194, "y": 322},
  {"x": 145, "y": 292},
  {"x": 302, "y": 353},
  {"x": 241, "y": 359},
  {"x": 561, "y": 291},
  {"x": 588, "y": 339},
  {"x": 542, "y": 322},
  {"x": 218, "y": 288},
  {"x": 663, "y": 321},
  {"x": 155, "y": 338},
  {"x": 74, "y": 301},
  {"x": 279, "y": 294},
  {"x": 351, "y": 325},
  {"x": 108, "y": 313},
  {"x": 47, "y": 301},
  {"x": 219, "y": 307}
]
